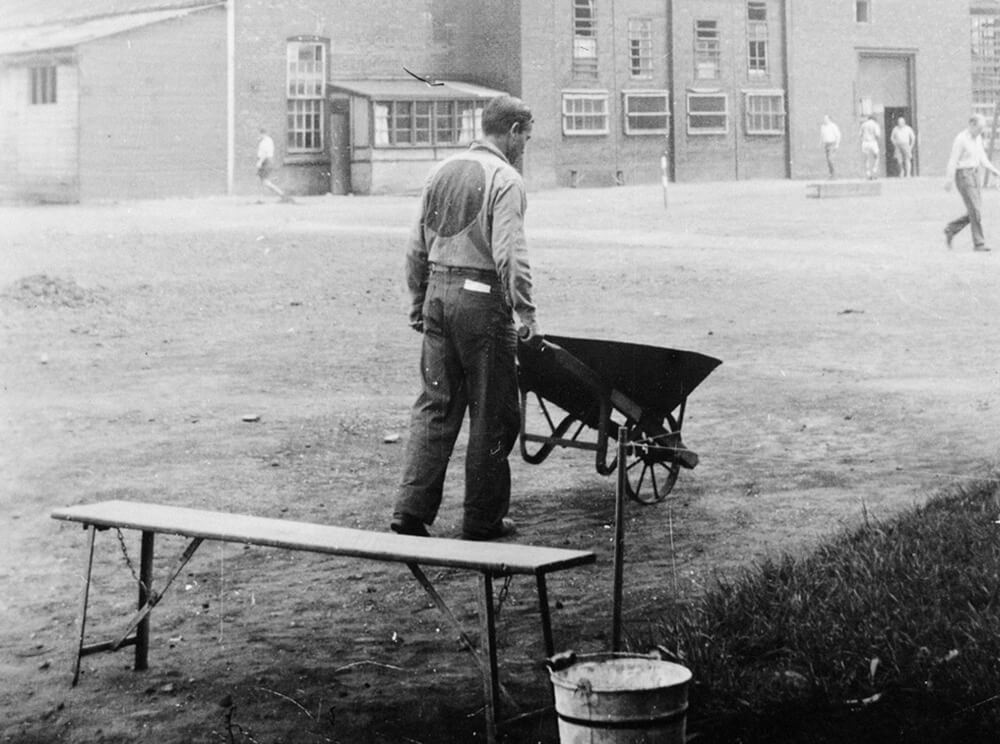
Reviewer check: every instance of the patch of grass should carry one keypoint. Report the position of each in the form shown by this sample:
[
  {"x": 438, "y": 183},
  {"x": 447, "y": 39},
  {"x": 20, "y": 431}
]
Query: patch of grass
[{"x": 887, "y": 633}]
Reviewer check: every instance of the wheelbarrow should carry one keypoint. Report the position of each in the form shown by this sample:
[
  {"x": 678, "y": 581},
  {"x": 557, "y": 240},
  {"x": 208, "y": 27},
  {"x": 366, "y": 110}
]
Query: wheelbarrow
[{"x": 586, "y": 385}]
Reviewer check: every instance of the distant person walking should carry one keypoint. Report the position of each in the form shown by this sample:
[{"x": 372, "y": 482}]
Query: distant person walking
[
  {"x": 967, "y": 157},
  {"x": 265, "y": 164},
  {"x": 829, "y": 134},
  {"x": 903, "y": 141},
  {"x": 870, "y": 135}
]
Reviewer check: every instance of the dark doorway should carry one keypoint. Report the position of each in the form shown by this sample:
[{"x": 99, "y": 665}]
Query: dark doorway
[
  {"x": 892, "y": 114},
  {"x": 340, "y": 153}
]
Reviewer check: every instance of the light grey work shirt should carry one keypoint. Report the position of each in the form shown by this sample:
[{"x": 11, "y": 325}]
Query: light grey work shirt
[{"x": 472, "y": 216}]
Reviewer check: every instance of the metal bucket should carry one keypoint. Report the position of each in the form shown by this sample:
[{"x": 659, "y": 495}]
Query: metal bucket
[{"x": 619, "y": 699}]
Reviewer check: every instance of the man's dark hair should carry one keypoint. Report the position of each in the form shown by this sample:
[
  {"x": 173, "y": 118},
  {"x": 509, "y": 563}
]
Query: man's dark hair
[{"x": 502, "y": 112}]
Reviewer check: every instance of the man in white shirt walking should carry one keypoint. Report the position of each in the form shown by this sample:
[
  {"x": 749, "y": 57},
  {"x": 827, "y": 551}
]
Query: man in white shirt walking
[
  {"x": 870, "y": 134},
  {"x": 967, "y": 157},
  {"x": 829, "y": 134},
  {"x": 904, "y": 139},
  {"x": 265, "y": 164}
]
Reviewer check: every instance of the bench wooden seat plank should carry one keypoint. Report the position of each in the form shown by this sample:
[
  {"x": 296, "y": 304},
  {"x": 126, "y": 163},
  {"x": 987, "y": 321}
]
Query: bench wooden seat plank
[
  {"x": 499, "y": 559},
  {"x": 489, "y": 559}
]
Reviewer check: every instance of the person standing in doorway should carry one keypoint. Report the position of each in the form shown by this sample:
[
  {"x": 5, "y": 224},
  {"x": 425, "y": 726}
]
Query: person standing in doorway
[
  {"x": 903, "y": 141},
  {"x": 468, "y": 274},
  {"x": 870, "y": 135},
  {"x": 967, "y": 158},
  {"x": 829, "y": 134},
  {"x": 265, "y": 165}
]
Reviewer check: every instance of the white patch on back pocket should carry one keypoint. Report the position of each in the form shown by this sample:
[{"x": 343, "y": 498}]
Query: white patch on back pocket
[{"x": 474, "y": 286}]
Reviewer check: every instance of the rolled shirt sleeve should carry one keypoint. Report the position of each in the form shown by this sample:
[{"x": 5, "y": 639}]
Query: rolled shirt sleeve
[
  {"x": 510, "y": 249},
  {"x": 417, "y": 269}
]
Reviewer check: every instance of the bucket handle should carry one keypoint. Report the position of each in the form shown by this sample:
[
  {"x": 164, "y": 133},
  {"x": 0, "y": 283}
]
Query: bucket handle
[{"x": 561, "y": 661}]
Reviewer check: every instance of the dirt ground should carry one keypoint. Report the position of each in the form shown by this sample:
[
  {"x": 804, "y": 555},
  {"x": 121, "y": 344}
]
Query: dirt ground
[{"x": 859, "y": 375}]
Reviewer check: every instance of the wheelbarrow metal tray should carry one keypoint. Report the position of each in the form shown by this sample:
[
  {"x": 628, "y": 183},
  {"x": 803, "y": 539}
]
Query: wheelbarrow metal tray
[{"x": 657, "y": 379}]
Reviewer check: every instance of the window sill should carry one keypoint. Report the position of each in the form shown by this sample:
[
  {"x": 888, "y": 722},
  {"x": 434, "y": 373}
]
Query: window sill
[{"x": 306, "y": 158}]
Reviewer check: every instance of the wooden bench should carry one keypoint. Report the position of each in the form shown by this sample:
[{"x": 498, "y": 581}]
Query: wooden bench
[
  {"x": 490, "y": 560},
  {"x": 834, "y": 188}
]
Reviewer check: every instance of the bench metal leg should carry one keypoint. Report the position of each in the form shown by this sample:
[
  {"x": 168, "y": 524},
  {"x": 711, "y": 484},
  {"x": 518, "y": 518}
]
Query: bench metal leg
[
  {"x": 491, "y": 677},
  {"x": 148, "y": 598},
  {"x": 145, "y": 590},
  {"x": 543, "y": 610},
  {"x": 137, "y": 633},
  {"x": 85, "y": 599},
  {"x": 488, "y": 668}
]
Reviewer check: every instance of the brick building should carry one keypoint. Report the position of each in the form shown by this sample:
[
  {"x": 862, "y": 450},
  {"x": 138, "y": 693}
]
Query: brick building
[
  {"x": 713, "y": 89},
  {"x": 881, "y": 57}
]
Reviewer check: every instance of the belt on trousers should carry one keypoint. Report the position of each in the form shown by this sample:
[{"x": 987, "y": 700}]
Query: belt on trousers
[{"x": 481, "y": 274}]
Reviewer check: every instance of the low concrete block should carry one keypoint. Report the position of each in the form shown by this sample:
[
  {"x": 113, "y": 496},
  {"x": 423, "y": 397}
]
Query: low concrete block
[{"x": 829, "y": 189}]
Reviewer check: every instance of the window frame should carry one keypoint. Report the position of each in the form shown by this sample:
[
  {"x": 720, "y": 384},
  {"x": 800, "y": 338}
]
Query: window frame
[
  {"x": 707, "y": 48},
  {"x": 627, "y": 115},
  {"x": 305, "y": 92},
  {"x": 782, "y": 115},
  {"x": 601, "y": 96},
  {"x": 691, "y": 95},
  {"x": 640, "y": 48},
  {"x": 43, "y": 85},
  {"x": 585, "y": 38},
  {"x": 862, "y": 8},
  {"x": 425, "y": 116},
  {"x": 758, "y": 41}
]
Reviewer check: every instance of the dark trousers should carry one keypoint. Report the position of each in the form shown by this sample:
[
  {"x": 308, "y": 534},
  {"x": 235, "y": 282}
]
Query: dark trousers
[
  {"x": 967, "y": 181},
  {"x": 467, "y": 362},
  {"x": 831, "y": 149}
]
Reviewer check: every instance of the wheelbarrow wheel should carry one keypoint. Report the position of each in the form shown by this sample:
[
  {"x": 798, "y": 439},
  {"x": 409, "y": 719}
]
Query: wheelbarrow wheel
[{"x": 649, "y": 476}]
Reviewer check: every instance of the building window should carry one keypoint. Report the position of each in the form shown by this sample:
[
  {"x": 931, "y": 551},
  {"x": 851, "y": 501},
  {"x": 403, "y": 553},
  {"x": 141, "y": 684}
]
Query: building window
[
  {"x": 427, "y": 123},
  {"x": 306, "y": 95},
  {"x": 707, "y": 52},
  {"x": 757, "y": 39},
  {"x": 985, "y": 63},
  {"x": 647, "y": 112},
  {"x": 585, "y": 113},
  {"x": 863, "y": 11},
  {"x": 765, "y": 112},
  {"x": 584, "y": 39},
  {"x": 640, "y": 48},
  {"x": 708, "y": 113},
  {"x": 42, "y": 84}
]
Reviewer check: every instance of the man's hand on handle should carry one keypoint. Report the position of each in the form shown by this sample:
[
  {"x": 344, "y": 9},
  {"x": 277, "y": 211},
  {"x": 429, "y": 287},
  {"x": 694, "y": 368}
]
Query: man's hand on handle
[{"x": 531, "y": 336}]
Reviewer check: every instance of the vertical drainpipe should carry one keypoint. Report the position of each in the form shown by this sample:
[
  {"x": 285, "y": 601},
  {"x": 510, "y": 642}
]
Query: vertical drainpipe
[
  {"x": 230, "y": 94},
  {"x": 671, "y": 85},
  {"x": 786, "y": 48}
]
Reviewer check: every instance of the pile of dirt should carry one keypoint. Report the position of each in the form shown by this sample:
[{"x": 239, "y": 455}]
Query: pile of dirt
[{"x": 42, "y": 290}]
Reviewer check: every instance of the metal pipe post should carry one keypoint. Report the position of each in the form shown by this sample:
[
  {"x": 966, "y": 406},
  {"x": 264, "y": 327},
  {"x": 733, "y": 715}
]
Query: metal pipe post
[{"x": 616, "y": 613}]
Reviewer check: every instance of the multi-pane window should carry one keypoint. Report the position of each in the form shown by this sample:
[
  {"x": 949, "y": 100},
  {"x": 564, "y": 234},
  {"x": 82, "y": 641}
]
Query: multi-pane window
[
  {"x": 707, "y": 51},
  {"x": 427, "y": 123},
  {"x": 306, "y": 78},
  {"x": 647, "y": 112},
  {"x": 640, "y": 48},
  {"x": 757, "y": 39},
  {"x": 708, "y": 113},
  {"x": 584, "y": 38},
  {"x": 985, "y": 63},
  {"x": 765, "y": 112},
  {"x": 585, "y": 113},
  {"x": 863, "y": 11},
  {"x": 42, "y": 84}
]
